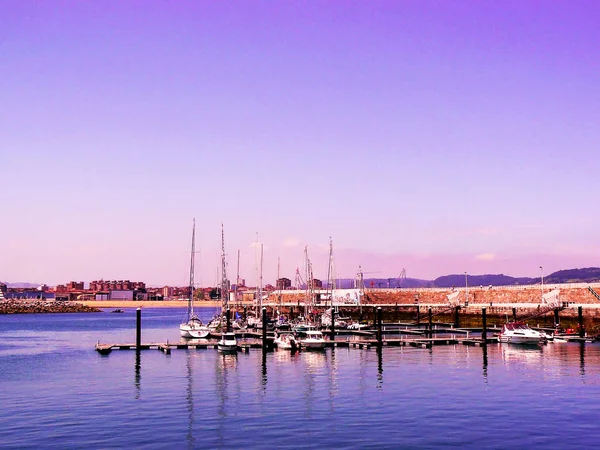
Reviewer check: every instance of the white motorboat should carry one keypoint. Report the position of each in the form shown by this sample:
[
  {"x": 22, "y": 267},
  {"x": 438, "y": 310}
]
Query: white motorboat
[
  {"x": 521, "y": 333},
  {"x": 357, "y": 326},
  {"x": 228, "y": 342},
  {"x": 192, "y": 327},
  {"x": 286, "y": 341},
  {"x": 311, "y": 339}
]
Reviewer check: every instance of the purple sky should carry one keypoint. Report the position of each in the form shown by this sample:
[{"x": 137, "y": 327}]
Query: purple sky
[{"x": 436, "y": 136}]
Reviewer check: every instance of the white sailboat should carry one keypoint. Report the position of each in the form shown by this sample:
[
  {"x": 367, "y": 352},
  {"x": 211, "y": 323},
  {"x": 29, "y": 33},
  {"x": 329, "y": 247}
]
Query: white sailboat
[{"x": 192, "y": 326}]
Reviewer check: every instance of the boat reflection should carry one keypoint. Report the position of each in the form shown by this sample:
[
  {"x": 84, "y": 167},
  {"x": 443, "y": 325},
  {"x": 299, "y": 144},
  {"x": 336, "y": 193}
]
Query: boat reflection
[
  {"x": 522, "y": 354},
  {"x": 314, "y": 361}
]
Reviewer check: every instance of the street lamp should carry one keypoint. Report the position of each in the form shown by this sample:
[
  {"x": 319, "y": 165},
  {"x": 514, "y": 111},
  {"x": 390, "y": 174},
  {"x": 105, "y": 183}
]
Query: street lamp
[
  {"x": 542, "y": 273},
  {"x": 466, "y": 290}
]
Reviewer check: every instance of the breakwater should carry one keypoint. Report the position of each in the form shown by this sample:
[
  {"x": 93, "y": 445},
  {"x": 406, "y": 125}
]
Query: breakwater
[{"x": 41, "y": 307}]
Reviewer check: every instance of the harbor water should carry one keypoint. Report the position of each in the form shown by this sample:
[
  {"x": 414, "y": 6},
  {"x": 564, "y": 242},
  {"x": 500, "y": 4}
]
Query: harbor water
[{"x": 56, "y": 391}]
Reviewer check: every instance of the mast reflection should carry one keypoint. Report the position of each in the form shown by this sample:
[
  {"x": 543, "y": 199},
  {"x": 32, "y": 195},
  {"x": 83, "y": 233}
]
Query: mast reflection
[{"x": 190, "y": 401}]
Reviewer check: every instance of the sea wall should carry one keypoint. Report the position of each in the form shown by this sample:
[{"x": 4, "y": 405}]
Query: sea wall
[
  {"x": 574, "y": 293},
  {"x": 40, "y": 307}
]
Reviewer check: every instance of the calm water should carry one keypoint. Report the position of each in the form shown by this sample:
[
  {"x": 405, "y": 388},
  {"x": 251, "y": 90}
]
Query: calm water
[{"x": 57, "y": 392}]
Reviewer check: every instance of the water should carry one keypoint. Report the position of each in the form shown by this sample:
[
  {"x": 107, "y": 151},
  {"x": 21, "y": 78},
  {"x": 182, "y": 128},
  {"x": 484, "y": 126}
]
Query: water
[{"x": 57, "y": 392}]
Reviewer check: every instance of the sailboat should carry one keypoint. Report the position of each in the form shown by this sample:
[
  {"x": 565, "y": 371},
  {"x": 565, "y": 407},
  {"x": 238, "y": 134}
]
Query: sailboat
[{"x": 192, "y": 326}]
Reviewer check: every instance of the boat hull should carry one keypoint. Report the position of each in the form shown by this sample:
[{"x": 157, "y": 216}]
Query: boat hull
[
  {"x": 227, "y": 348},
  {"x": 313, "y": 345},
  {"x": 193, "y": 330},
  {"x": 521, "y": 340}
]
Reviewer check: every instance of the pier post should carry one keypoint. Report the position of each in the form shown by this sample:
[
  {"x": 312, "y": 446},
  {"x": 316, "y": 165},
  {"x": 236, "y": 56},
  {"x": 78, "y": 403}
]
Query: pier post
[
  {"x": 332, "y": 323},
  {"x": 430, "y": 323},
  {"x": 556, "y": 319},
  {"x": 228, "y": 318},
  {"x": 418, "y": 315},
  {"x": 264, "y": 329},
  {"x": 456, "y": 319},
  {"x": 379, "y": 332},
  {"x": 291, "y": 315},
  {"x": 514, "y": 311},
  {"x": 138, "y": 329},
  {"x": 245, "y": 313},
  {"x": 580, "y": 321},
  {"x": 484, "y": 325},
  {"x": 374, "y": 316}
]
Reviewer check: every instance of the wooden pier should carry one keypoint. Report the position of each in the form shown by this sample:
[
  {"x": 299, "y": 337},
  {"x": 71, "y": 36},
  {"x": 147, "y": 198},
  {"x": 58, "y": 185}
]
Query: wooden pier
[
  {"x": 424, "y": 335},
  {"x": 420, "y": 342}
]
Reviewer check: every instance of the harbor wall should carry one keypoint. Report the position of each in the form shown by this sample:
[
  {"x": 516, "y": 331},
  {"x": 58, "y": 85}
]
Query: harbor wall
[{"x": 574, "y": 293}]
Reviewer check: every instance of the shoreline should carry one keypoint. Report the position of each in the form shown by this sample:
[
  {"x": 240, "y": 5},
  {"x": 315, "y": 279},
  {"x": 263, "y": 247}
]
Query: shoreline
[{"x": 145, "y": 304}]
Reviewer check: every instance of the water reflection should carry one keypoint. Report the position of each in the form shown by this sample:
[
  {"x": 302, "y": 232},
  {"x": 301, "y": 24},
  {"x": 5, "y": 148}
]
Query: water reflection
[
  {"x": 485, "y": 363},
  {"x": 190, "y": 400},
  {"x": 138, "y": 376},
  {"x": 263, "y": 372},
  {"x": 582, "y": 359},
  {"x": 379, "y": 368},
  {"x": 226, "y": 365}
]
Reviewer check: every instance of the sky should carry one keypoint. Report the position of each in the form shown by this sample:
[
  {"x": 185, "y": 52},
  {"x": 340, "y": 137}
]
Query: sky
[{"x": 439, "y": 137}]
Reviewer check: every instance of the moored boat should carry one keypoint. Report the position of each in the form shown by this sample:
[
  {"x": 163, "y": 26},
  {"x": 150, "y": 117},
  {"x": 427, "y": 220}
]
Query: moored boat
[
  {"x": 227, "y": 343},
  {"x": 311, "y": 339},
  {"x": 192, "y": 326},
  {"x": 521, "y": 333},
  {"x": 285, "y": 341}
]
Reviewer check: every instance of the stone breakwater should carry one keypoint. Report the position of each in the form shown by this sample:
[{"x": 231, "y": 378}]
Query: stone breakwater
[{"x": 42, "y": 307}]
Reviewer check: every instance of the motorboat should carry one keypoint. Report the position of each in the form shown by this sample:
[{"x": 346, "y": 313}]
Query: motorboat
[
  {"x": 521, "y": 333},
  {"x": 357, "y": 326},
  {"x": 227, "y": 343},
  {"x": 285, "y": 341},
  {"x": 311, "y": 339}
]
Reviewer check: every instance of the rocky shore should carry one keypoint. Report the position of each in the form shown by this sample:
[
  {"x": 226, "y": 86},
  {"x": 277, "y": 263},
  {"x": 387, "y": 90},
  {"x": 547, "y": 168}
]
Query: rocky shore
[{"x": 43, "y": 306}]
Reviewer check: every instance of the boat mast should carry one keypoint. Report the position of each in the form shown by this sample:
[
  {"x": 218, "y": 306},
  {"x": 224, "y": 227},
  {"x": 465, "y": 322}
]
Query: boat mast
[
  {"x": 190, "y": 310},
  {"x": 279, "y": 286},
  {"x": 224, "y": 289},
  {"x": 329, "y": 293},
  {"x": 260, "y": 284},
  {"x": 237, "y": 279},
  {"x": 309, "y": 284}
]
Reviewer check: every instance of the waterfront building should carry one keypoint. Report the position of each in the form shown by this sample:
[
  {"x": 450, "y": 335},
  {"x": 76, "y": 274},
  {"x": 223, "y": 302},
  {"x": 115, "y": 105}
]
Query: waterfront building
[{"x": 283, "y": 283}]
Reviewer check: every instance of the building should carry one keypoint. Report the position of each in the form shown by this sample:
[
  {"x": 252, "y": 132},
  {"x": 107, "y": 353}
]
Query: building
[
  {"x": 116, "y": 285},
  {"x": 167, "y": 292},
  {"x": 75, "y": 286},
  {"x": 283, "y": 283}
]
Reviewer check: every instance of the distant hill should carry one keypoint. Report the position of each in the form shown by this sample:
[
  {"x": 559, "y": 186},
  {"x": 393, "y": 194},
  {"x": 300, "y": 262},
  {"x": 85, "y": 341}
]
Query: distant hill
[
  {"x": 21, "y": 284},
  {"x": 584, "y": 275},
  {"x": 481, "y": 280}
]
